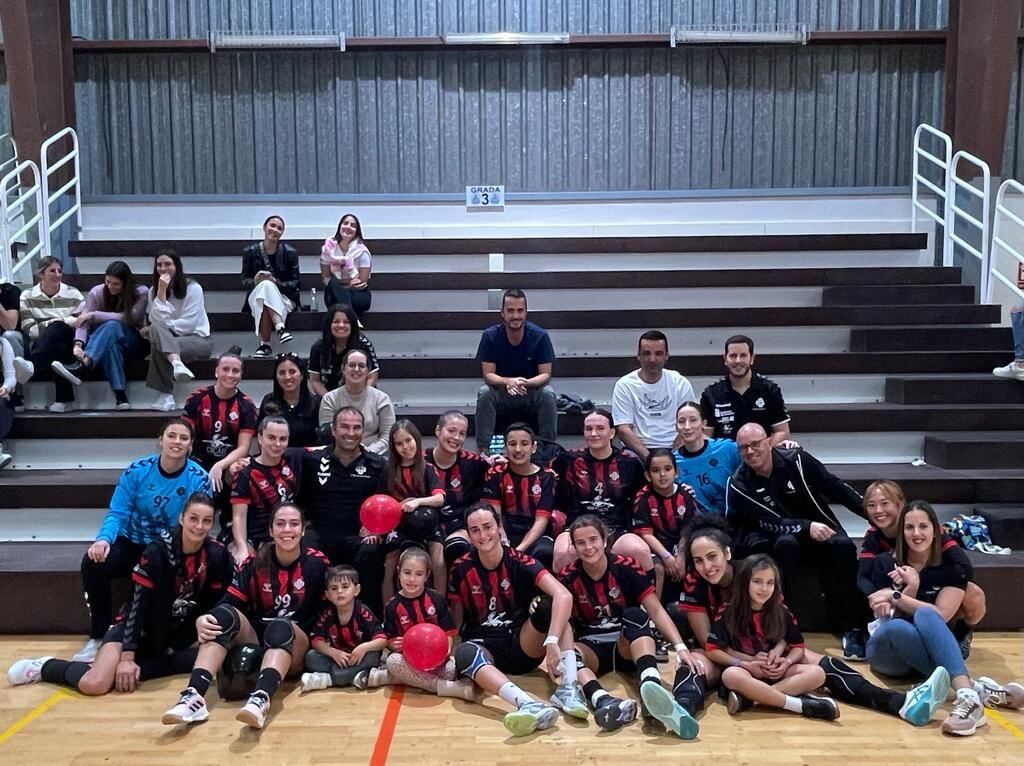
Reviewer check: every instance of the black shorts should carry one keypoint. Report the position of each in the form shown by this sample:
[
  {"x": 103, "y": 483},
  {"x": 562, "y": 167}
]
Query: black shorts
[
  {"x": 176, "y": 639},
  {"x": 400, "y": 541},
  {"x": 452, "y": 520},
  {"x": 606, "y": 647},
  {"x": 507, "y": 654}
]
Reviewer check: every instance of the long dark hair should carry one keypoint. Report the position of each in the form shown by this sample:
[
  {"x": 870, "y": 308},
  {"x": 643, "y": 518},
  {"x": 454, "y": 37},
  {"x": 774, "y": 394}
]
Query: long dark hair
[
  {"x": 738, "y": 615},
  {"x": 265, "y": 557},
  {"x": 278, "y": 393},
  {"x": 122, "y": 303},
  {"x": 359, "y": 228},
  {"x": 419, "y": 465},
  {"x": 179, "y": 282},
  {"x": 328, "y": 357},
  {"x": 902, "y": 550}
]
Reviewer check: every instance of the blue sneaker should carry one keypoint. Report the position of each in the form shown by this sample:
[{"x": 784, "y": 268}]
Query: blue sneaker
[
  {"x": 855, "y": 646},
  {"x": 660, "y": 703},
  {"x": 923, "y": 700},
  {"x": 531, "y": 717}
]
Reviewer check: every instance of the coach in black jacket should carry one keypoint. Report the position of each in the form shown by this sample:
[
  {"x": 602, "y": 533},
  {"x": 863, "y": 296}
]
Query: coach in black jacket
[{"x": 777, "y": 503}]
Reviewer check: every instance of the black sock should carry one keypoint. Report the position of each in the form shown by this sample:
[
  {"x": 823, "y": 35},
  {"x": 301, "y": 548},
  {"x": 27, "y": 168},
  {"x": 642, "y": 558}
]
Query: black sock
[
  {"x": 847, "y": 685},
  {"x": 120, "y": 397},
  {"x": 960, "y": 630},
  {"x": 590, "y": 688},
  {"x": 268, "y": 682},
  {"x": 644, "y": 663},
  {"x": 689, "y": 689},
  {"x": 63, "y": 672},
  {"x": 200, "y": 680}
]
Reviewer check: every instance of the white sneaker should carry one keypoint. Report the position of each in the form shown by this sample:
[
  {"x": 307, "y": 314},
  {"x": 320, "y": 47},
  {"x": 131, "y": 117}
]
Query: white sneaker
[
  {"x": 312, "y": 682},
  {"x": 57, "y": 407},
  {"x": 5, "y": 458},
  {"x": 966, "y": 716},
  {"x": 1014, "y": 370},
  {"x": 191, "y": 708},
  {"x": 164, "y": 403},
  {"x": 88, "y": 651},
  {"x": 26, "y": 671},
  {"x": 994, "y": 694},
  {"x": 254, "y": 712},
  {"x": 181, "y": 372},
  {"x": 23, "y": 369}
]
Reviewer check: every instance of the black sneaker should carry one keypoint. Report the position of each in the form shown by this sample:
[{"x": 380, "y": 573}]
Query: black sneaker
[
  {"x": 284, "y": 336},
  {"x": 17, "y": 402},
  {"x": 824, "y": 708},
  {"x": 855, "y": 646},
  {"x": 737, "y": 703},
  {"x": 965, "y": 644},
  {"x": 263, "y": 351},
  {"x": 614, "y": 712}
]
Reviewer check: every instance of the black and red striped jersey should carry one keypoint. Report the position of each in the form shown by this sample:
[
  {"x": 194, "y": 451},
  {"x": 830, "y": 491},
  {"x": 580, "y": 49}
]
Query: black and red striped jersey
[
  {"x": 605, "y": 488},
  {"x": 494, "y": 601},
  {"x": 753, "y": 640},
  {"x": 597, "y": 605},
  {"x": 402, "y": 612},
  {"x": 185, "y": 585},
  {"x": 362, "y": 626},
  {"x": 520, "y": 498},
  {"x": 261, "y": 487},
  {"x": 265, "y": 591},
  {"x": 463, "y": 483},
  {"x": 407, "y": 486},
  {"x": 701, "y": 596},
  {"x": 218, "y": 423},
  {"x": 664, "y": 517}
]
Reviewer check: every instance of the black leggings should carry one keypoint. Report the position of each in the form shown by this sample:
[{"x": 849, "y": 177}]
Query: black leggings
[{"x": 98, "y": 578}]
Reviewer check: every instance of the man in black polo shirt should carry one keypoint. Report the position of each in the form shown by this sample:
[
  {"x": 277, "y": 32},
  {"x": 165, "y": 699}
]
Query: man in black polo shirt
[
  {"x": 777, "y": 503},
  {"x": 743, "y": 396},
  {"x": 516, "y": 357},
  {"x": 334, "y": 485}
]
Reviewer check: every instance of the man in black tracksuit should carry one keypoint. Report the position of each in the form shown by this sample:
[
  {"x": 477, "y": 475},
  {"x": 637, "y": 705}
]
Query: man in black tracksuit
[{"x": 777, "y": 503}]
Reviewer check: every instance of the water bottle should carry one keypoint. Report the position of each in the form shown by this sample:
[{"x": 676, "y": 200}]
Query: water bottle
[{"x": 497, "y": 445}]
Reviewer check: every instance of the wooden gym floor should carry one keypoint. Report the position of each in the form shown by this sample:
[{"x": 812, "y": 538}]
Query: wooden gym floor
[{"x": 42, "y": 724}]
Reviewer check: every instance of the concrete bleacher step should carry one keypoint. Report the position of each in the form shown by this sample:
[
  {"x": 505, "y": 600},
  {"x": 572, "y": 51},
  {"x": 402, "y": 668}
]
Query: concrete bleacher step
[
  {"x": 931, "y": 338},
  {"x": 943, "y": 387},
  {"x": 1001, "y": 449},
  {"x": 1005, "y": 522},
  {"x": 890, "y": 295}
]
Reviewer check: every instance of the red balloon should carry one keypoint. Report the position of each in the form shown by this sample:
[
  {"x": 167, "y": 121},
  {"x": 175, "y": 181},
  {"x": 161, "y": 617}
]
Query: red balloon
[
  {"x": 380, "y": 514},
  {"x": 425, "y": 646}
]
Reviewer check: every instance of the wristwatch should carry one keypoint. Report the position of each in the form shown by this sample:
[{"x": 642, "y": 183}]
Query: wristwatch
[{"x": 896, "y": 595}]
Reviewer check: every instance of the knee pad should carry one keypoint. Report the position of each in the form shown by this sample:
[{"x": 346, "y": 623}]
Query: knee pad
[
  {"x": 455, "y": 548},
  {"x": 636, "y": 624},
  {"x": 540, "y": 618},
  {"x": 227, "y": 618},
  {"x": 279, "y": 635},
  {"x": 469, "y": 658}
]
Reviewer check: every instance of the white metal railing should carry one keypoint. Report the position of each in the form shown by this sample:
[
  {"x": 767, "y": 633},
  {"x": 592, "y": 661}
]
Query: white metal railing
[
  {"x": 11, "y": 161},
  {"x": 1005, "y": 215},
  {"x": 50, "y": 197},
  {"x": 956, "y": 212},
  {"x": 14, "y": 198},
  {"x": 943, "y": 163}
]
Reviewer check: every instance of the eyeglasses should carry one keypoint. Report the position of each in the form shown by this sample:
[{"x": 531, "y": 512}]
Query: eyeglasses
[
  {"x": 289, "y": 355},
  {"x": 753, "y": 446}
]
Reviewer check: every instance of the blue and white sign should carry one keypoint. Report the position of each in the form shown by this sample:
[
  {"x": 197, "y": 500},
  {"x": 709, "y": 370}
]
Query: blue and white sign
[{"x": 485, "y": 196}]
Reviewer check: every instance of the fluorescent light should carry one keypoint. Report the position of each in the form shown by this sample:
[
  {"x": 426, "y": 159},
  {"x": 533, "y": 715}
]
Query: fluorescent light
[
  {"x": 230, "y": 40},
  {"x": 725, "y": 34},
  {"x": 506, "y": 38}
]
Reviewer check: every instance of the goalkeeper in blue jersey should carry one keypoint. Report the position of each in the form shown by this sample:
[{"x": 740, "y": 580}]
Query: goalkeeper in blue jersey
[{"x": 702, "y": 462}]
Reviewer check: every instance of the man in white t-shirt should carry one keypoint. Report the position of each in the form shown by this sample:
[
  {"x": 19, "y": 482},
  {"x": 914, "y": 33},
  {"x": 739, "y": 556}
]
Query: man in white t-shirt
[{"x": 644, "y": 402}]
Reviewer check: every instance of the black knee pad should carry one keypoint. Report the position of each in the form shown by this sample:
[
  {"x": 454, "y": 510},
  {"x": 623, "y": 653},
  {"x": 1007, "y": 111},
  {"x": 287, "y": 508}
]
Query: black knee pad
[
  {"x": 279, "y": 634},
  {"x": 636, "y": 624},
  {"x": 238, "y": 673},
  {"x": 540, "y": 617},
  {"x": 469, "y": 658},
  {"x": 227, "y": 618},
  {"x": 454, "y": 549}
]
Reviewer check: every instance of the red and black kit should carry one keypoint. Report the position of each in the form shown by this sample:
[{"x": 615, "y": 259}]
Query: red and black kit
[
  {"x": 597, "y": 605},
  {"x": 218, "y": 423},
  {"x": 261, "y": 487},
  {"x": 362, "y": 626},
  {"x": 402, "y": 612},
  {"x": 605, "y": 488},
  {"x": 494, "y": 601},
  {"x": 754, "y": 641},
  {"x": 664, "y": 517},
  {"x": 463, "y": 483},
  {"x": 520, "y": 498},
  {"x": 701, "y": 596}
]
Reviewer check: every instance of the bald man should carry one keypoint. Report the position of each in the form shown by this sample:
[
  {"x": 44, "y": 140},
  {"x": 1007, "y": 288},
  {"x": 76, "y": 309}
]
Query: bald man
[{"x": 777, "y": 503}]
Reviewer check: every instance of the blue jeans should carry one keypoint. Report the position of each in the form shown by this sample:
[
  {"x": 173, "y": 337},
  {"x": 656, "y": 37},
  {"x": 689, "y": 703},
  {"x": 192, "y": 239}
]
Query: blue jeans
[
  {"x": 903, "y": 648},
  {"x": 1017, "y": 327},
  {"x": 107, "y": 347}
]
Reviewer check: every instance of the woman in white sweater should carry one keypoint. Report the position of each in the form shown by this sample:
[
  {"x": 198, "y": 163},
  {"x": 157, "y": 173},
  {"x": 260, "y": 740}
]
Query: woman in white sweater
[
  {"x": 179, "y": 329},
  {"x": 378, "y": 411}
]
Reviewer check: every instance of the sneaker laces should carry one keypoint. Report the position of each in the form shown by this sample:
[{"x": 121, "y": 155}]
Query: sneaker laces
[{"x": 964, "y": 706}]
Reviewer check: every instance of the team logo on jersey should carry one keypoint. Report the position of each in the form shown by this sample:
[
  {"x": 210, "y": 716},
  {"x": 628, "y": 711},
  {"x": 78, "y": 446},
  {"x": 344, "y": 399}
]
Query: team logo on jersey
[
  {"x": 790, "y": 487},
  {"x": 476, "y": 590},
  {"x": 206, "y": 412},
  {"x": 614, "y": 476},
  {"x": 505, "y": 584},
  {"x": 286, "y": 471},
  {"x": 360, "y": 470},
  {"x": 536, "y": 489},
  {"x": 300, "y": 584},
  {"x": 456, "y": 483},
  {"x": 583, "y": 598},
  {"x": 759, "y": 402},
  {"x": 614, "y": 592},
  {"x": 713, "y": 462},
  {"x": 431, "y": 610},
  {"x": 263, "y": 484},
  {"x": 509, "y": 490},
  {"x": 268, "y": 588},
  {"x": 232, "y": 415},
  {"x": 325, "y": 471}
]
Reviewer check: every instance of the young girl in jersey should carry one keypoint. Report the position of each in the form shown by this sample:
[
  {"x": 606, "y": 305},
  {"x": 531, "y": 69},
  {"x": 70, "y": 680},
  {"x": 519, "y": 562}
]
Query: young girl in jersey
[
  {"x": 413, "y": 483},
  {"x": 348, "y": 637},
  {"x": 179, "y": 576},
  {"x": 661, "y": 512},
  {"x": 756, "y": 640},
  {"x": 414, "y": 604},
  {"x": 273, "y": 601}
]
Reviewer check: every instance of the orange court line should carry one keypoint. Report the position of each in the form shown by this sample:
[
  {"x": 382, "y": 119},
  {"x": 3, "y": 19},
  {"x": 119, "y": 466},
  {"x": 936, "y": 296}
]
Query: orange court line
[
  {"x": 387, "y": 727},
  {"x": 33, "y": 714}
]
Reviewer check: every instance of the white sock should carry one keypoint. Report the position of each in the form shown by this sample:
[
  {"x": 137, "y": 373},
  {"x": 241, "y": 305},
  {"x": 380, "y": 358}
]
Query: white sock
[
  {"x": 568, "y": 668},
  {"x": 457, "y": 689},
  {"x": 793, "y": 704},
  {"x": 596, "y": 698},
  {"x": 513, "y": 695},
  {"x": 279, "y": 326}
]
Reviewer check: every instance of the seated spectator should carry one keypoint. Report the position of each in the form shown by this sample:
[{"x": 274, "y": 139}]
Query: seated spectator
[
  {"x": 178, "y": 330},
  {"x": 292, "y": 400},
  {"x": 114, "y": 313},
  {"x": 1015, "y": 369},
  {"x": 516, "y": 358},
  {"x": 270, "y": 274},
  {"x": 375, "y": 406},
  {"x": 48, "y": 314},
  {"x": 10, "y": 318},
  {"x": 345, "y": 266},
  {"x": 703, "y": 464},
  {"x": 8, "y": 382},
  {"x": 340, "y": 334},
  {"x": 778, "y": 503},
  {"x": 645, "y": 400},
  {"x": 743, "y": 396}
]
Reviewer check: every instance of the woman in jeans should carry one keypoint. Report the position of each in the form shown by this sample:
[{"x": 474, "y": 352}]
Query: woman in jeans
[
  {"x": 917, "y": 595},
  {"x": 1015, "y": 369},
  {"x": 345, "y": 266}
]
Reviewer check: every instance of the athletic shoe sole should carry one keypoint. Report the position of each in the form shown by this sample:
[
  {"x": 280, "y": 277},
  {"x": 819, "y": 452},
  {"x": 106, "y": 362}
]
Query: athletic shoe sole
[
  {"x": 64, "y": 372},
  {"x": 5, "y": 460},
  {"x": 249, "y": 718},
  {"x": 576, "y": 709},
  {"x": 660, "y": 703},
  {"x": 922, "y": 701},
  {"x": 173, "y": 719},
  {"x": 983, "y": 721},
  {"x": 519, "y": 723}
]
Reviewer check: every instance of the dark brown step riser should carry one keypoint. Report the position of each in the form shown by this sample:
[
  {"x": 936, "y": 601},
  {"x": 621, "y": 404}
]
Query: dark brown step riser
[
  {"x": 611, "y": 279},
  {"x": 931, "y": 339},
  {"x": 1005, "y": 525},
  {"x": 972, "y": 391},
  {"x": 718, "y": 244},
  {"x": 889, "y": 295},
  {"x": 959, "y": 455}
]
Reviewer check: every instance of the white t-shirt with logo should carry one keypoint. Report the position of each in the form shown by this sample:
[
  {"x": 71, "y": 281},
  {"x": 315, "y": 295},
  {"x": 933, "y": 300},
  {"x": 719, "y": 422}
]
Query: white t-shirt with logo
[{"x": 651, "y": 407}]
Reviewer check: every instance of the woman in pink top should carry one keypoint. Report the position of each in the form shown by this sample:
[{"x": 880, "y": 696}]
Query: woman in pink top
[{"x": 345, "y": 265}]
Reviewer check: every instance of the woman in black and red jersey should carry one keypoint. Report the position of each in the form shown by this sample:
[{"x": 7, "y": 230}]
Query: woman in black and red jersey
[{"x": 273, "y": 601}]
